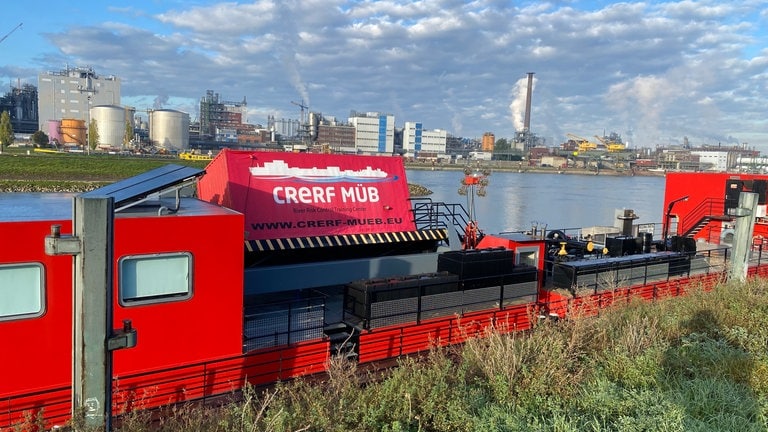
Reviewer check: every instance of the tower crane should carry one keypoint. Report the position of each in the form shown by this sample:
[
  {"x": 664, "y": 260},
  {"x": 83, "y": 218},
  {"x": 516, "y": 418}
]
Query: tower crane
[
  {"x": 10, "y": 32},
  {"x": 303, "y": 127},
  {"x": 303, "y": 107}
]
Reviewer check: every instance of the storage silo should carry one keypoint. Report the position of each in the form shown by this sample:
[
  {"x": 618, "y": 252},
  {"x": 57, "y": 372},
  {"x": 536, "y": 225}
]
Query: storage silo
[
  {"x": 73, "y": 132},
  {"x": 110, "y": 123},
  {"x": 54, "y": 131},
  {"x": 169, "y": 129}
]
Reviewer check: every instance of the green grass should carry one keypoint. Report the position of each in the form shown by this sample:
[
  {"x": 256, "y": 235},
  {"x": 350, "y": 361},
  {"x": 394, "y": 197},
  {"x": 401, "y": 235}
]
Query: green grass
[
  {"x": 46, "y": 172},
  {"x": 73, "y": 172},
  {"x": 694, "y": 363}
]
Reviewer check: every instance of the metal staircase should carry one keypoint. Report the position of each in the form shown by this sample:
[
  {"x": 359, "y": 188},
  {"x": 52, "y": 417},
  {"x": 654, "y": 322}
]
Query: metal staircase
[
  {"x": 700, "y": 217},
  {"x": 428, "y": 214}
]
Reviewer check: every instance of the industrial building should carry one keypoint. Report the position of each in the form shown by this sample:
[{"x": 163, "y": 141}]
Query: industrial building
[
  {"x": 70, "y": 94},
  {"x": 21, "y": 104},
  {"x": 422, "y": 143},
  {"x": 330, "y": 135},
  {"x": 220, "y": 119},
  {"x": 336, "y": 138},
  {"x": 375, "y": 132},
  {"x": 488, "y": 142}
]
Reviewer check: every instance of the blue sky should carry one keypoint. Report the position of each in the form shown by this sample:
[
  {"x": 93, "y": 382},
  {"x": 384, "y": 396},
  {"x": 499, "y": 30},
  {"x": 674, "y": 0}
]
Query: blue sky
[{"x": 654, "y": 72}]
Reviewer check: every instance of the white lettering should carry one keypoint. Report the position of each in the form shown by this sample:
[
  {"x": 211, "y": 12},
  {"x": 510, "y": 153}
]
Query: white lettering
[
  {"x": 276, "y": 195},
  {"x": 373, "y": 194},
  {"x": 360, "y": 194},
  {"x": 303, "y": 195}
]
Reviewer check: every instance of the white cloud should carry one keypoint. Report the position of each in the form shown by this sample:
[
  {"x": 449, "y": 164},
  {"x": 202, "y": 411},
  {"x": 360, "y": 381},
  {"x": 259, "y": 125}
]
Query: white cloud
[{"x": 661, "y": 69}]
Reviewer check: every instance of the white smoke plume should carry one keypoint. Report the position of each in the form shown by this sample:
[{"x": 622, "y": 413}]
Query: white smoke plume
[
  {"x": 159, "y": 101},
  {"x": 289, "y": 62},
  {"x": 517, "y": 107}
]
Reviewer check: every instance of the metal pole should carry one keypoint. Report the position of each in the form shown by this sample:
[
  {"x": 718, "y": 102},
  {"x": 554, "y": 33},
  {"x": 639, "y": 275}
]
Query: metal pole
[
  {"x": 742, "y": 235},
  {"x": 668, "y": 219},
  {"x": 91, "y": 388}
]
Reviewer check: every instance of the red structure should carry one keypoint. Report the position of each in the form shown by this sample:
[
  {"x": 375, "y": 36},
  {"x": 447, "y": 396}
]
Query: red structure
[{"x": 252, "y": 283}]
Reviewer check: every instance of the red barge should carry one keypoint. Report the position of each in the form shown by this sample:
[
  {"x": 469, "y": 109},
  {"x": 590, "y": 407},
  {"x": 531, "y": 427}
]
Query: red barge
[{"x": 137, "y": 295}]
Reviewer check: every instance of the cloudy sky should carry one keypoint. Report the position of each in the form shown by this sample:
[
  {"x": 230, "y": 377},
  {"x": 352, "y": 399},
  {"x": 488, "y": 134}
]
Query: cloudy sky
[{"x": 654, "y": 71}]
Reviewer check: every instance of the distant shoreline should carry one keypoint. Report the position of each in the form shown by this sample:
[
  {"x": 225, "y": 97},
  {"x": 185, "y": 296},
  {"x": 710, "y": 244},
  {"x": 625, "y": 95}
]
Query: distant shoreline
[{"x": 507, "y": 167}]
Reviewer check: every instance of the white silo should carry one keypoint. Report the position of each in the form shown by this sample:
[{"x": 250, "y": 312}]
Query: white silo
[
  {"x": 110, "y": 123},
  {"x": 169, "y": 129}
]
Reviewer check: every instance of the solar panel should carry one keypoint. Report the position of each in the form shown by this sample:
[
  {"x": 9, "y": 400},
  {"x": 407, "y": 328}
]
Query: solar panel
[{"x": 138, "y": 188}]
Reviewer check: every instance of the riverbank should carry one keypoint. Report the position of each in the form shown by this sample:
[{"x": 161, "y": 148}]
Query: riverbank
[
  {"x": 77, "y": 173},
  {"x": 504, "y": 166}
]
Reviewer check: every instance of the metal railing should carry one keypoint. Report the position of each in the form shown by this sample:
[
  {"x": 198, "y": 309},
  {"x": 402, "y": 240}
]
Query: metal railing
[
  {"x": 428, "y": 214},
  {"x": 708, "y": 208},
  {"x": 604, "y": 274}
]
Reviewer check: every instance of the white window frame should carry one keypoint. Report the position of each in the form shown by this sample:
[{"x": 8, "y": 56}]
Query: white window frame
[
  {"x": 145, "y": 279},
  {"x": 11, "y": 284},
  {"x": 524, "y": 254}
]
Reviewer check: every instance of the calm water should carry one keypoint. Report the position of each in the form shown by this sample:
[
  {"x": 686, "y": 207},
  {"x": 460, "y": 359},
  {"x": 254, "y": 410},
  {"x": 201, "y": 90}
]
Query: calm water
[{"x": 515, "y": 200}]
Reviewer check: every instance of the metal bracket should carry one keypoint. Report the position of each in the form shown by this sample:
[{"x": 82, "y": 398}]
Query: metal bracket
[
  {"x": 739, "y": 212},
  {"x": 56, "y": 244},
  {"x": 122, "y": 338}
]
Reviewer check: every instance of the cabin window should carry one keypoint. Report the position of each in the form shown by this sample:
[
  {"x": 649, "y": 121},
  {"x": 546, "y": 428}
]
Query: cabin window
[
  {"x": 155, "y": 278},
  {"x": 21, "y": 288},
  {"x": 527, "y": 256}
]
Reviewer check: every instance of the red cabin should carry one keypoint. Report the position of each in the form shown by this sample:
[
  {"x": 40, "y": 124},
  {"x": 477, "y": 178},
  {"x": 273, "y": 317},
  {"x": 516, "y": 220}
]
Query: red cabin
[
  {"x": 177, "y": 278},
  {"x": 286, "y": 259}
]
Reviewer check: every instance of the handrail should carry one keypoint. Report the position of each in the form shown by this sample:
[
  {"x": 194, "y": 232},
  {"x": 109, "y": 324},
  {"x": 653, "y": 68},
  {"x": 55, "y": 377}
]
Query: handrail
[
  {"x": 428, "y": 214},
  {"x": 706, "y": 208}
]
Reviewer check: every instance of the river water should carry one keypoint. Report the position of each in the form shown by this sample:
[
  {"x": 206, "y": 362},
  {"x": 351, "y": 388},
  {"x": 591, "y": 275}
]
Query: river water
[{"x": 515, "y": 201}]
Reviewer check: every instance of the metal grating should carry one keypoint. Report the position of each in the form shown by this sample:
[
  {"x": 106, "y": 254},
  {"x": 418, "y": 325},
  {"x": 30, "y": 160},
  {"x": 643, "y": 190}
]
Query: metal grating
[{"x": 344, "y": 240}]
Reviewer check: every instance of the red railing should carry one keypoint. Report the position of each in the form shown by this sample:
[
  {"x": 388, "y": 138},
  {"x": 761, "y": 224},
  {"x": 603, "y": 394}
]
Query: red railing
[
  {"x": 708, "y": 208},
  {"x": 223, "y": 376}
]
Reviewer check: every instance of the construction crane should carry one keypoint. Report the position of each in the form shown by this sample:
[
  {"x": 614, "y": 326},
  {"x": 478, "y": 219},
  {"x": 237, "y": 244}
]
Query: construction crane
[
  {"x": 611, "y": 145},
  {"x": 303, "y": 126},
  {"x": 584, "y": 144},
  {"x": 303, "y": 107},
  {"x": 10, "y": 32}
]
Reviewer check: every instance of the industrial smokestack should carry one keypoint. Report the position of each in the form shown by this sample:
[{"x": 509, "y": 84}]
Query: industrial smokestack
[{"x": 527, "y": 122}]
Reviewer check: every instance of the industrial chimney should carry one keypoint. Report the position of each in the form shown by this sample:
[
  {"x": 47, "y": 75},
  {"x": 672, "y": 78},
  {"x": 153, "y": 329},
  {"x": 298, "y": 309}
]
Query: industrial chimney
[{"x": 527, "y": 124}]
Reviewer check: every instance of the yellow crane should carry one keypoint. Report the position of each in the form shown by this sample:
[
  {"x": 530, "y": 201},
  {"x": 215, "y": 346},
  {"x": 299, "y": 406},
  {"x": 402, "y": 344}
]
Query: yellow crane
[
  {"x": 584, "y": 144},
  {"x": 610, "y": 145}
]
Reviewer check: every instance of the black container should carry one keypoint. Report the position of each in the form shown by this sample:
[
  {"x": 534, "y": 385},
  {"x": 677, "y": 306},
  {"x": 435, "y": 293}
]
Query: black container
[
  {"x": 622, "y": 245},
  {"x": 477, "y": 263}
]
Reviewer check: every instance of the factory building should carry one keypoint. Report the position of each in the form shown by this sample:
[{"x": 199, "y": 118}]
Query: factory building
[
  {"x": 422, "y": 143},
  {"x": 375, "y": 132},
  {"x": 70, "y": 94},
  {"x": 336, "y": 138},
  {"x": 219, "y": 119},
  {"x": 21, "y": 105},
  {"x": 488, "y": 143}
]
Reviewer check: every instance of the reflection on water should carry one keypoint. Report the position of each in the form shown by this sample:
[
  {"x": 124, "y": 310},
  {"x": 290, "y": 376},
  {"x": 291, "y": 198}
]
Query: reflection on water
[
  {"x": 35, "y": 206},
  {"x": 515, "y": 200}
]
